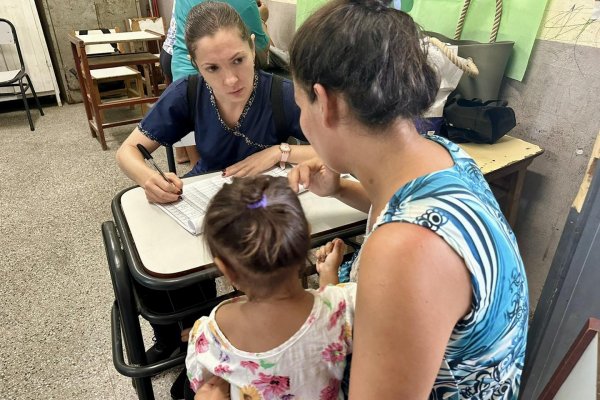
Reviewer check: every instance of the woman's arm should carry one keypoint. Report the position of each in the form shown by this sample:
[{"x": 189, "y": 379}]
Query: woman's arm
[
  {"x": 132, "y": 163},
  {"x": 268, "y": 158},
  {"x": 412, "y": 290},
  {"x": 322, "y": 181}
]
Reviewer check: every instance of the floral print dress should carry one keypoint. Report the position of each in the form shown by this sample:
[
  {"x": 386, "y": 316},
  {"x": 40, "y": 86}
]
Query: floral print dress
[{"x": 308, "y": 366}]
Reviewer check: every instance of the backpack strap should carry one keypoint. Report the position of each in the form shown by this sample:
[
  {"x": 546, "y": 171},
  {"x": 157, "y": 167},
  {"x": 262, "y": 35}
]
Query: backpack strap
[
  {"x": 192, "y": 97},
  {"x": 277, "y": 103},
  {"x": 276, "y": 100}
]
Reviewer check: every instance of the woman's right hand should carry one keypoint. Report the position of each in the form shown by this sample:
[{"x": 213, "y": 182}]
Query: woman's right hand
[
  {"x": 315, "y": 176},
  {"x": 160, "y": 191}
]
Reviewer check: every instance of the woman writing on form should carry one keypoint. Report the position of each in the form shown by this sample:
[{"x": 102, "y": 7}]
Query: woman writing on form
[
  {"x": 233, "y": 122},
  {"x": 233, "y": 118}
]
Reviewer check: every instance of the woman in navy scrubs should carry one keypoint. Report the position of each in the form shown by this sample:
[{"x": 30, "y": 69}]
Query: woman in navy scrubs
[{"x": 235, "y": 130}]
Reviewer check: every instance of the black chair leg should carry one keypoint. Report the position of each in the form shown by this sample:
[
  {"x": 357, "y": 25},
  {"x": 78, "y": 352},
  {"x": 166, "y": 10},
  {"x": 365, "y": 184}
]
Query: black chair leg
[
  {"x": 171, "y": 159},
  {"x": 125, "y": 305},
  {"x": 24, "y": 96},
  {"x": 37, "y": 101}
]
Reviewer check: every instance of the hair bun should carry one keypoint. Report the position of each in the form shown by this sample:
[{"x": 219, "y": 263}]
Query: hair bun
[
  {"x": 376, "y": 5},
  {"x": 253, "y": 193}
]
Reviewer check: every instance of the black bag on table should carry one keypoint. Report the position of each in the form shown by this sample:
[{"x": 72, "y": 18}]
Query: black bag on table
[{"x": 477, "y": 121}]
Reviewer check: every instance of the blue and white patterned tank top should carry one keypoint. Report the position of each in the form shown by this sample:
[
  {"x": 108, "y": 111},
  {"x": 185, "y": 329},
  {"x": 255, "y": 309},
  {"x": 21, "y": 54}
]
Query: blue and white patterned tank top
[{"x": 485, "y": 355}]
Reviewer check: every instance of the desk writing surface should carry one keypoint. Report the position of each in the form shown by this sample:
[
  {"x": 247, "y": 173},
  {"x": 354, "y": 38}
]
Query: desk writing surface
[
  {"x": 506, "y": 151},
  {"x": 119, "y": 37},
  {"x": 166, "y": 248}
]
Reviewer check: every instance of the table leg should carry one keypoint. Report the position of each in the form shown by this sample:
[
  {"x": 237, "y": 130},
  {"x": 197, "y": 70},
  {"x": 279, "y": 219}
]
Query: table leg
[
  {"x": 147, "y": 79},
  {"x": 97, "y": 114},
  {"x": 514, "y": 195},
  {"x": 80, "y": 78}
]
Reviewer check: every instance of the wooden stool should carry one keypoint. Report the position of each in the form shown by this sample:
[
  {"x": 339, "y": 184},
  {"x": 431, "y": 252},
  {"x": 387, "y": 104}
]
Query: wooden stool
[{"x": 131, "y": 78}]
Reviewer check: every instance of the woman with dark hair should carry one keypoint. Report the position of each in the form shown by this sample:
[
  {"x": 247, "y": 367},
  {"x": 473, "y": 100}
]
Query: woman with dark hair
[
  {"x": 442, "y": 303},
  {"x": 233, "y": 118}
]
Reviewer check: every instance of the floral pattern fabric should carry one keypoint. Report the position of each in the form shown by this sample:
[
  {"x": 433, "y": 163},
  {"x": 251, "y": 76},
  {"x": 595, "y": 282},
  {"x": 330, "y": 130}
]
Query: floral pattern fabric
[
  {"x": 485, "y": 355},
  {"x": 309, "y": 365}
]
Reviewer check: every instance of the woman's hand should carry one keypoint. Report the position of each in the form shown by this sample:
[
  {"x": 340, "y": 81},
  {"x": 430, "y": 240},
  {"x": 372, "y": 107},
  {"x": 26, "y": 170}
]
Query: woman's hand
[
  {"x": 160, "y": 191},
  {"x": 214, "y": 389},
  {"x": 329, "y": 259},
  {"x": 316, "y": 177},
  {"x": 255, "y": 163}
]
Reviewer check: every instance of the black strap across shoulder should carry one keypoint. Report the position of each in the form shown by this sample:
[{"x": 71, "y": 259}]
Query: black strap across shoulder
[
  {"x": 276, "y": 100},
  {"x": 277, "y": 103},
  {"x": 192, "y": 97}
]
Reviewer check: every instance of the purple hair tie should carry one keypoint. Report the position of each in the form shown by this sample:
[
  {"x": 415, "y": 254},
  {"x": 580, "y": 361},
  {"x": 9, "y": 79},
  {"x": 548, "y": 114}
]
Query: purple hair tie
[{"x": 262, "y": 203}]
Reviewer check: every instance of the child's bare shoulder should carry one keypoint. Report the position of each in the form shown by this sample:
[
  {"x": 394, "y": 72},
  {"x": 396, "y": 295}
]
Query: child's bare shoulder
[{"x": 228, "y": 314}]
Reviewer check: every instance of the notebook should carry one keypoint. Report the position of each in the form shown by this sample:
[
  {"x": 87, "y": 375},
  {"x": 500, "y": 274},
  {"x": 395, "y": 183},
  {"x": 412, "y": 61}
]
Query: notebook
[{"x": 189, "y": 212}]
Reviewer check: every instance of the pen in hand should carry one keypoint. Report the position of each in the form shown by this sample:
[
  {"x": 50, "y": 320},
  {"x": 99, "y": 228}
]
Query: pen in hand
[{"x": 147, "y": 156}]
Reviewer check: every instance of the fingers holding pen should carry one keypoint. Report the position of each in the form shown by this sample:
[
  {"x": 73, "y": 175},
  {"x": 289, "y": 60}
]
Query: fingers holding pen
[{"x": 158, "y": 190}]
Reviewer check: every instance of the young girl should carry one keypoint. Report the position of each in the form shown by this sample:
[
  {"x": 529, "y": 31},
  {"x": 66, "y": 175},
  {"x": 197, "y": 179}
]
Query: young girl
[{"x": 278, "y": 341}]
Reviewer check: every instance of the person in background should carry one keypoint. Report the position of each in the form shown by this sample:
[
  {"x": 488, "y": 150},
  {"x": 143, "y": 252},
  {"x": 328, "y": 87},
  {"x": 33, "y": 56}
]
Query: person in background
[
  {"x": 278, "y": 340},
  {"x": 181, "y": 63},
  {"x": 166, "y": 54}
]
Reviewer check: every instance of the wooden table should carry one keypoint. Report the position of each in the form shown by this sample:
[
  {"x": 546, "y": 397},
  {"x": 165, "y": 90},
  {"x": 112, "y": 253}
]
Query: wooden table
[
  {"x": 504, "y": 165},
  {"x": 84, "y": 64}
]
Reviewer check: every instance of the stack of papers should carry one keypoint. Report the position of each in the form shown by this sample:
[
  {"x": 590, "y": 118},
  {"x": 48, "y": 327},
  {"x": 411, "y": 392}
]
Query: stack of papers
[{"x": 189, "y": 212}]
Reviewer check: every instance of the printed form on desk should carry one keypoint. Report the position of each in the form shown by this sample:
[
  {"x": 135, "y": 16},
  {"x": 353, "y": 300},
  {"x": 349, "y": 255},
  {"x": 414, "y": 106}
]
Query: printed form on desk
[{"x": 189, "y": 212}]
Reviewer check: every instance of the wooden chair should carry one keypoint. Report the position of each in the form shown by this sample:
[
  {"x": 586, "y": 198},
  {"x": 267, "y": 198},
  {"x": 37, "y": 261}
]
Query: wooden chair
[
  {"x": 132, "y": 82},
  {"x": 154, "y": 24}
]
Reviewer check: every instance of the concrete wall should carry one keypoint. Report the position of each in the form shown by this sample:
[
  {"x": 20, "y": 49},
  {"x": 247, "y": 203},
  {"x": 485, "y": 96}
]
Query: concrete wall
[
  {"x": 556, "y": 106},
  {"x": 59, "y": 18}
]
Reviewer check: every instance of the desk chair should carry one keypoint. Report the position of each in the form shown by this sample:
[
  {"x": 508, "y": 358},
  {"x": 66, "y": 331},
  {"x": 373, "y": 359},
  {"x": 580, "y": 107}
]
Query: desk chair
[
  {"x": 154, "y": 24},
  {"x": 104, "y": 49},
  {"x": 14, "y": 78},
  {"x": 132, "y": 85},
  {"x": 99, "y": 49},
  {"x": 129, "y": 304}
]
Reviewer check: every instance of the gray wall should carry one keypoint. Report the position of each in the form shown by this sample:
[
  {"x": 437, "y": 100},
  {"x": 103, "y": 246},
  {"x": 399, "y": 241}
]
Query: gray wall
[
  {"x": 557, "y": 108},
  {"x": 59, "y": 18}
]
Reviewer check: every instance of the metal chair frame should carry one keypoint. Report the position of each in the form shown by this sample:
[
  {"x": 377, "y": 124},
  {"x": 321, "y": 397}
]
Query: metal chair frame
[{"x": 17, "y": 80}]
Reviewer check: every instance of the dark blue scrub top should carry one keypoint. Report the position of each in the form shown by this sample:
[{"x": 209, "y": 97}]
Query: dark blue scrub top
[{"x": 168, "y": 121}]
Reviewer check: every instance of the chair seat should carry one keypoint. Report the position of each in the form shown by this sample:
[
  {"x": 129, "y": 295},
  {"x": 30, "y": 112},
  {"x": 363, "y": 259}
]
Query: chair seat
[
  {"x": 115, "y": 72},
  {"x": 7, "y": 76}
]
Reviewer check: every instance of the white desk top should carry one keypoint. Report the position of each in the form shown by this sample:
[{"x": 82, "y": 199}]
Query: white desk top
[
  {"x": 119, "y": 37},
  {"x": 165, "y": 248}
]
